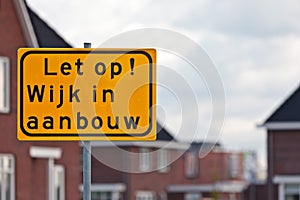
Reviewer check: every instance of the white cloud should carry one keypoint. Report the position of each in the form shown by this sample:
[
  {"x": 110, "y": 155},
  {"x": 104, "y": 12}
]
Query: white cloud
[{"x": 248, "y": 18}]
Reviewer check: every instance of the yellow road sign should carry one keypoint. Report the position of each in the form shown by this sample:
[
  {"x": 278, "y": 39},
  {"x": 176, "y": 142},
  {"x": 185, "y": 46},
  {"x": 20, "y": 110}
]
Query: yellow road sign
[{"x": 86, "y": 94}]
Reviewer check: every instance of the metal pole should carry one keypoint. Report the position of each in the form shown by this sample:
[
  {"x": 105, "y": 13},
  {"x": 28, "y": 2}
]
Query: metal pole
[{"x": 86, "y": 162}]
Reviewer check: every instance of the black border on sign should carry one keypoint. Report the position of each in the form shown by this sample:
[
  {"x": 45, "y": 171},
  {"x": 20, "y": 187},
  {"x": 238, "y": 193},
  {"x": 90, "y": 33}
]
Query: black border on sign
[{"x": 87, "y": 134}]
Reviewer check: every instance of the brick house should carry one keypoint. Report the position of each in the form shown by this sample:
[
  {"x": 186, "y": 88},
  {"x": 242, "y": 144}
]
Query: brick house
[
  {"x": 30, "y": 170},
  {"x": 144, "y": 171},
  {"x": 283, "y": 137}
]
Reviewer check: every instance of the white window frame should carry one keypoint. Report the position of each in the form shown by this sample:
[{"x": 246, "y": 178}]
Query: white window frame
[
  {"x": 49, "y": 153},
  {"x": 5, "y": 83},
  {"x": 145, "y": 160},
  {"x": 286, "y": 192},
  {"x": 10, "y": 171},
  {"x": 282, "y": 190},
  {"x": 163, "y": 160},
  {"x": 116, "y": 189},
  {"x": 191, "y": 165},
  {"x": 282, "y": 181},
  {"x": 59, "y": 182},
  {"x": 234, "y": 165},
  {"x": 103, "y": 195},
  {"x": 107, "y": 195},
  {"x": 145, "y": 195}
]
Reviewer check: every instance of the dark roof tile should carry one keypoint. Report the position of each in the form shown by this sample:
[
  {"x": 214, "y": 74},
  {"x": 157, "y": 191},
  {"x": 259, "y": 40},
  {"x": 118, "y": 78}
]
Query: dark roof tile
[
  {"x": 163, "y": 134},
  {"x": 289, "y": 111},
  {"x": 45, "y": 35}
]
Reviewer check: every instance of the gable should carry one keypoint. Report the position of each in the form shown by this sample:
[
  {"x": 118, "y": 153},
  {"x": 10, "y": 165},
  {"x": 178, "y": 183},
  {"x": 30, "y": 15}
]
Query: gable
[
  {"x": 289, "y": 111},
  {"x": 45, "y": 35},
  {"x": 163, "y": 134}
]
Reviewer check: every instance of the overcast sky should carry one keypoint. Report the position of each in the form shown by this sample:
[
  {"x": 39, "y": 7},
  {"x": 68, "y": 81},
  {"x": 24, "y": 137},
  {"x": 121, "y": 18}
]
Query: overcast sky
[{"x": 254, "y": 44}]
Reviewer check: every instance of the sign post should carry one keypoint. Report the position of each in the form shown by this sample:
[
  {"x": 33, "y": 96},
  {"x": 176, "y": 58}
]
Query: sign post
[{"x": 86, "y": 161}]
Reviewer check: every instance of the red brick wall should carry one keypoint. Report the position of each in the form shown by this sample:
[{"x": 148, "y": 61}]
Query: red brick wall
[
  {"x": 283, "y": 157},
  {"x": 31, "y": 174},
  {"x": 286, "y": 152},
  {"x": 214, "y": 167},
  {"x": 256, "y": 192},
  {"x": 176, "y": 196},
  {"x": 101, "y": 173}
]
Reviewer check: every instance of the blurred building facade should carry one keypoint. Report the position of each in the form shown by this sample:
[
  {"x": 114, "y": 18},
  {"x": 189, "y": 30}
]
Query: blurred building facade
[
  {"x": 30, "y": 170},
  {"x": 283, "y": 136},
  {"x": 166, "y": 169},
  {"x": 283, "y": 153}
]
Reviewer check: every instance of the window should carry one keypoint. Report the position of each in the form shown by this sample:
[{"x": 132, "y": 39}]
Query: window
[
  {"x": 4, "y": 85},
  {"x": 109, "y": 195},
  {"x": 162, "y": 160},
  {"x": 144, "y": 160},
  {"x": 233, "y": 165},
  {"x": 59, "y": 182},
  {"x": 292, "y": 192},
  {"x": 192, "y": 196},
  {"x": 191, "y": 165},
  {"x": 249, "y": 166},
  {"x": 7, "y": 177},
  {"x": 145, "y": 195},
  {"x": 101, "y": 196}
]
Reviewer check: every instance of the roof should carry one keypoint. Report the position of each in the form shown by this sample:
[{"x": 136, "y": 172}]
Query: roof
[
  {"x": 163, "y": 134},
  {"x": 46, "y": 36},
  {"x": 163, "y": 140},
  {"x": 288, "y": 111},
  {"x": 196, "y": 146}
]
